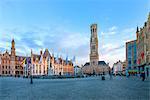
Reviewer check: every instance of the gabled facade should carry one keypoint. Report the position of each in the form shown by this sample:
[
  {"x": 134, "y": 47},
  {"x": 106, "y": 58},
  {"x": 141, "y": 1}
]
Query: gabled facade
[
  {"x": 11, "y": 64},
  {"x": 143, "y": 46}
]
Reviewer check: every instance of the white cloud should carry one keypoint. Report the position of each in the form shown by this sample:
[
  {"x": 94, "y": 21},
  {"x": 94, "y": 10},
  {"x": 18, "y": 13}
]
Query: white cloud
[
  {"x": 129, "y": 30},
  {"x": 38, "y": 42},
  {"x": 113, "y": 28},
  {"x": 110, "y": 31},
  {"x": 74, "y": 40}
]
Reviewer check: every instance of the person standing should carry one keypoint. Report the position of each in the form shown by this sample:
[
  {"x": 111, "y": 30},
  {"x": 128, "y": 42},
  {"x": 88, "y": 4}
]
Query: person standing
[{"x": 110, "y": 73}]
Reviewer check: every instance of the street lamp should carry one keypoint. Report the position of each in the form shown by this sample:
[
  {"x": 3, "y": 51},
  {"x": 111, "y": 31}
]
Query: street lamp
[
  {"x": 28, "y": 62},
  {"x": 31, "y": 81}
]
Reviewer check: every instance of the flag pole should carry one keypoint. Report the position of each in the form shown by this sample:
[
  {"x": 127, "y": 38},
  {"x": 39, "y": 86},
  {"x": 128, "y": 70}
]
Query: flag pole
[{"x": 31, "y": 80}]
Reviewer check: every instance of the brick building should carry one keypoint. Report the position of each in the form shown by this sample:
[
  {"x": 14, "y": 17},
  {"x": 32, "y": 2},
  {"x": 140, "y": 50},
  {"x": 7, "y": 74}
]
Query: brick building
[{"x": 11, "y": 64}]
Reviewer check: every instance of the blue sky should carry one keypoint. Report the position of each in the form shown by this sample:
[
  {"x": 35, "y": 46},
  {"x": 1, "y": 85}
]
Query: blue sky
[{"x": 63, "y": 26}]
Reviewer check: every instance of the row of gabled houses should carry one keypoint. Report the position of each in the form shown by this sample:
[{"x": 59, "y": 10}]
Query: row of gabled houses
[{"x": 37, "y": 64}]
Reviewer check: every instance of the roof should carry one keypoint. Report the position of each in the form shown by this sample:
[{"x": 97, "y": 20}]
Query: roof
[
  {"x": 131, "y": 41},
  {"x": 46, "y": 53},
  {"x": 99, "y": 63},
  {"x": 87, "y": 64},
  {"x": 76, "y": 66}
]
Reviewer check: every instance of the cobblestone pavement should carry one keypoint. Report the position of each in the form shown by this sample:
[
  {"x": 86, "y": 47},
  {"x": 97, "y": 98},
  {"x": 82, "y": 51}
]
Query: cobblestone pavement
[{"x": 91, "y": 88}]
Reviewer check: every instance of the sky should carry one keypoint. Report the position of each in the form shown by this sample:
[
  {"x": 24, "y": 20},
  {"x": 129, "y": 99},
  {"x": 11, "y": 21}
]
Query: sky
[{"x": 63, "y": 26}]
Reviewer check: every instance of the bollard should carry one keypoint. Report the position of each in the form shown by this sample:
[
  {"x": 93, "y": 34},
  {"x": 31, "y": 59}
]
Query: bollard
[{"x": 103, "y": 77}]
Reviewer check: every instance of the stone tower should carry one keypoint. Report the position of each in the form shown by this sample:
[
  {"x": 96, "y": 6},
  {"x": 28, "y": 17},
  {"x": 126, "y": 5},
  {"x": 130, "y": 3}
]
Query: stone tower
[
  {"x": 13, "y": 48},
  {"x": 13, "y": 55},
  {"x": 94, "y": 56}
]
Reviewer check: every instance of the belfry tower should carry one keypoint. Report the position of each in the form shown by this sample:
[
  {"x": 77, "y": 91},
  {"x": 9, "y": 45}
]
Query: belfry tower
[{"x": 94, "y": 56}]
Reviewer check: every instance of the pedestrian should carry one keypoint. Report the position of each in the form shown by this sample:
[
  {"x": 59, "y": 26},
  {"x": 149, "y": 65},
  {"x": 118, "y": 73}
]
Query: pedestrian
[
  {"x": 143, "y": 75},
  {"x": 110, "y": 73},
  {"x": 127, "y": 74}
]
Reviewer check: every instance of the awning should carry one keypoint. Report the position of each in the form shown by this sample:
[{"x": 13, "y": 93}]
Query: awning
[{"x": 132, "y": 71}]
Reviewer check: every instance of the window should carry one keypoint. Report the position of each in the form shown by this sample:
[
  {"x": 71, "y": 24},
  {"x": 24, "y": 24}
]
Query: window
[
  {"x": 93, "y": 30},
  {"x": 134, "y": 61},
  {"x": 93, "y": 47},
  {"x": 93, "y": 62},
  {"x": 129, "y": 62}
]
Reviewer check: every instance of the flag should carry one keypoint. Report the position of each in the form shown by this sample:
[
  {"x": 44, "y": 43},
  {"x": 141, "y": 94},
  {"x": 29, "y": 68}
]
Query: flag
[
  {"x": 57, "y": 59},
  {"x": 23, "y": 62},
  {"x": 7, "y": 45},
  {"x": 28, "y": 63},
  {"x": 40, "y": 60},
  {"x": 29, "y": 60},
  {"x": 67, "y": 60},
  {"x": 74, "y": 58}
]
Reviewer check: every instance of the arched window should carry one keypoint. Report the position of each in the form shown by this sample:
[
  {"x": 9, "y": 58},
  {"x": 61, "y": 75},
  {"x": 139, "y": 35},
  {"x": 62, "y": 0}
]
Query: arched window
[
  {"x": 93, "y": 62},
  {"x": 95, "y": 29}
]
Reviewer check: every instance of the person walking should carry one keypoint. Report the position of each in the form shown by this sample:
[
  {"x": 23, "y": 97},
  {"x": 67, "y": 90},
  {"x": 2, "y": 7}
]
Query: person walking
[
  {"x": 143, "y": 75},
  {"x": 110, "y": 73}
]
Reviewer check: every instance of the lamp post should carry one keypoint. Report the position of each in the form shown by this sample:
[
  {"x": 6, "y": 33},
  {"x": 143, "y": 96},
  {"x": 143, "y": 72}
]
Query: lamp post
[
  {"x": 30, "y": 64},
  {"x": 103, "y": 77}
]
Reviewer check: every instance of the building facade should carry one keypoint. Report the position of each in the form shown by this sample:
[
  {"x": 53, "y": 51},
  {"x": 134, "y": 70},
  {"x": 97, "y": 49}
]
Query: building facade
[
  {"x": 77, "y": 70},
  {"x": 40, "y": 63},
  {"x": 94, "y": 66},
  {"x": 118, "y": 68},
  {"x": 47, "y": 64},
  {"x": 131, "y": 55},
  {"x": 143, "y": 46},
  {"x": 36, "y": 65},
  {"x": 11, "y": 64}
]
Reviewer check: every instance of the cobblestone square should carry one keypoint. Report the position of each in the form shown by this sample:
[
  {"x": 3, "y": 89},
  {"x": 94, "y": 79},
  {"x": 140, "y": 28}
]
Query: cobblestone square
[{"x": 91, "y": 88}]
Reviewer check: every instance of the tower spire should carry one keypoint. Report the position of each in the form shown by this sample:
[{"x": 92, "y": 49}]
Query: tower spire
[
  {"x": 137, "y": 32},
  {"x": 137, "y": 29},
  {"x": 13, "y": 52}
]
